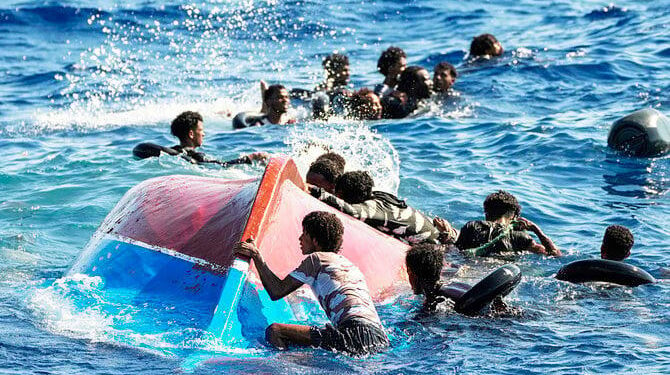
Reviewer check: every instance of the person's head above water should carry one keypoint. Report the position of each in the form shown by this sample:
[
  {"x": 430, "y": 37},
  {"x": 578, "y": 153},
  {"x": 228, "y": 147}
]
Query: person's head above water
[
  {"x": 444, "y": 76},
  {"x": 336, "y": 158},
  {"x": 365, "y": 105},
  {"x": 188, "y": 127},
  {"x": 485, "y": 45},
  {"x": 617, "y": 242},
  {"x": 424, "y": 265},
  {"x": 415, "y": 82},
  {"x": 337, "y": 69},
  {"x": 277, "y": 99},
  {"x": 321, "y": 231},
  {"x": 354, "y": 187},
  {"x": 501, "y": 204},
  {"x": 324, "y": 174},
  {"x": 391, "y": 63}
]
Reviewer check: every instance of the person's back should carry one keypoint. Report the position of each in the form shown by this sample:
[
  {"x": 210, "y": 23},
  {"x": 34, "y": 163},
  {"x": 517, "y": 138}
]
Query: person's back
[
  {"x": 382, "y": 211},
  {"x": 617, "y": 243},
  {"x": 503, "y": 231}
]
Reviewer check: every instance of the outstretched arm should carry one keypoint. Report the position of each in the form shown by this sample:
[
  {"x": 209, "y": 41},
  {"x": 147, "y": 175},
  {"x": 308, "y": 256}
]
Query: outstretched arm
[
  {"x": 547, "y": 247},
  {"x": 276, "y": 287},
  {"x": 335, "y": 202}
]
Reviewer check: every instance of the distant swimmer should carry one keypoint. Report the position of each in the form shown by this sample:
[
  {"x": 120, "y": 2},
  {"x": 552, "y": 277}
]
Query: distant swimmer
[
  {"x": 485, "y": 45},
  {"x": 332, "y": 95},
  {"x": 444, "y": 77},
  {"x": 189, "y": 128},
  {"x": 503, "y": 231},
  {"x": 276, "y": 104},
  {"x": 424, "y": 267},
  {"x": 415, "y": 82},
  {"x": 364, "y": 104},
  {"x": 382, "y": 211},
  {"x": 391, "y": 63},
  {"x": 337, "y": 283}
]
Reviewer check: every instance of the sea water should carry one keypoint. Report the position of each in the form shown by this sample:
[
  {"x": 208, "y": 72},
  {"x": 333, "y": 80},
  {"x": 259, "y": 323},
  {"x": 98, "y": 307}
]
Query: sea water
[{"x": 82, "y": 82}]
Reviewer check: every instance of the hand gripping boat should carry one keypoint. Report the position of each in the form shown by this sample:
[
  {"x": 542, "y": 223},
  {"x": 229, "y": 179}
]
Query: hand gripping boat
[{"x": 171, "y": 238}]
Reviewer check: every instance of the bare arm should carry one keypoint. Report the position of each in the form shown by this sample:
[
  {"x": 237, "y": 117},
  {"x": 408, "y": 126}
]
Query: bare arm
[
  {"x": 276, "y": 287},
  {"x": 547, "y": 246}
]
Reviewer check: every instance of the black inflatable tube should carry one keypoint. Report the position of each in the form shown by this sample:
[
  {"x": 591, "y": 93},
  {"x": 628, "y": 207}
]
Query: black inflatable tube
[
  {"x": 247, "y": 119},
  {"x": 642, "y": 133},
  {"x": 148, "y": 150},
  {"x": 497, "y": 284},
  {"x": 603, "y": 270}
]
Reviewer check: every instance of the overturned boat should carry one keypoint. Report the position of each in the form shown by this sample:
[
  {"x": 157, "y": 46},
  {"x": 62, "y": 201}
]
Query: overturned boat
[{"x": 171, "y": 239}]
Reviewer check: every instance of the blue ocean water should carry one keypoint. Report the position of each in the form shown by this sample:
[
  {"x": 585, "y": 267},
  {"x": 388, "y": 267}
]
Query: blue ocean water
[{"x": 82, "y": 82}]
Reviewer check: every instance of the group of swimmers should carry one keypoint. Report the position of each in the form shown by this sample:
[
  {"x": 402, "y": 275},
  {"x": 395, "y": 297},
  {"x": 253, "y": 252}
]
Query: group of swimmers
[
  {"x": 402, "y": 93},
  {"x": 337, "y": 283}
]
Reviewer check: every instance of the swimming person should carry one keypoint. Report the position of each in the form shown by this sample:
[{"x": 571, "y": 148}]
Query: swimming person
[
  {"x": 416, "y": 83},
  {"x": 331, "y": 96},
  {"x": 391, "y": 63},
  {"x": 276, "y": 104},
  {"x": 503, "y": 231},
  {"x": 424, "y": 267},
  {"x": 337, "y": 283},
  {"x": 444, "y": 76},
  {"x": 364, "y": 104},
  {"x": 188, "y": 127},
  {"x": 382, "y": 211},
  {"x": 617, "y": 242},
  {"x": 485, "y": 45}
]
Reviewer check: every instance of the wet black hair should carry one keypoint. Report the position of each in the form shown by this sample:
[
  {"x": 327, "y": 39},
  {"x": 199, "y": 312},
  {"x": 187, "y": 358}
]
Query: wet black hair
[
  {"x": 355, "y": 187},
  {"x": 335, "y": 62},
  {"x": 409, "y": 82},
  {"x": 272, "y": 90},
  {"x": 617, "y": 242},
  {"x": 425, "y": 261},
  {"x": 360, "y": 105},
  {"x": 327, "y": 168},
  {"x": 389, "y": 57},
  {"x": 185, "y": 122},
  {"x": 484, "y": 45},
  {"x": 446, "y": 66},
  {"x": 499, "y": 204},
  {"x": 336, "y": 158},
  {"x": 324, "y": 228}
]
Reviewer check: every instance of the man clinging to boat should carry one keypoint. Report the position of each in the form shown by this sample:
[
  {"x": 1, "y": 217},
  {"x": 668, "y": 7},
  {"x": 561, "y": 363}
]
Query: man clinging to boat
[
  {"x": 338, "y": 284},
  {"x": 382, "y": 211},
  {"x": 503, "y": 231}
]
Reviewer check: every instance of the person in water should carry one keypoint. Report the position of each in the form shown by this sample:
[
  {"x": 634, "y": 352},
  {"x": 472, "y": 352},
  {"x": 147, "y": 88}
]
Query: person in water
[
  {"x": 444, "y": 76},
  {"x": 189, "y": 128},
  {"x": 391, "y": 63},
  {"x": 617, "y": 243},
  {"x": 382, "y": 211},
  {"x": 503, "y": 231},
  {"x": 324, "y": 173},
  {"x": 365, "y": 105},
  {"x": 331, "y": 97},
  {"x": 485, "y": 45},
  {"x": 415, "y": 82},
  {"x": 337, "y": 283},
  {"x": 424, "y": 269}
]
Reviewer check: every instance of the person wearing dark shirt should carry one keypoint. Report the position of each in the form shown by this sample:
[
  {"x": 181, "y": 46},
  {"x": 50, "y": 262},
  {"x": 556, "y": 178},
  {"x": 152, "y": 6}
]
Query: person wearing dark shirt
[
  {"x": 381, "y": 210},
  {"x": 503, "y": 231},
  {"x": 424, "y": 268},
  {"x": 617, "y": 243},
  {"x": 189, "y": 128},
  {"x": 391, "y": 63},
  {"x": 415, "y": 82}
]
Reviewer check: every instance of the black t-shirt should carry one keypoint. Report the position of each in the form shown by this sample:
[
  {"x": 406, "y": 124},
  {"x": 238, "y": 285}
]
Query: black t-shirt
[{"x": 479, "y": 232}]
